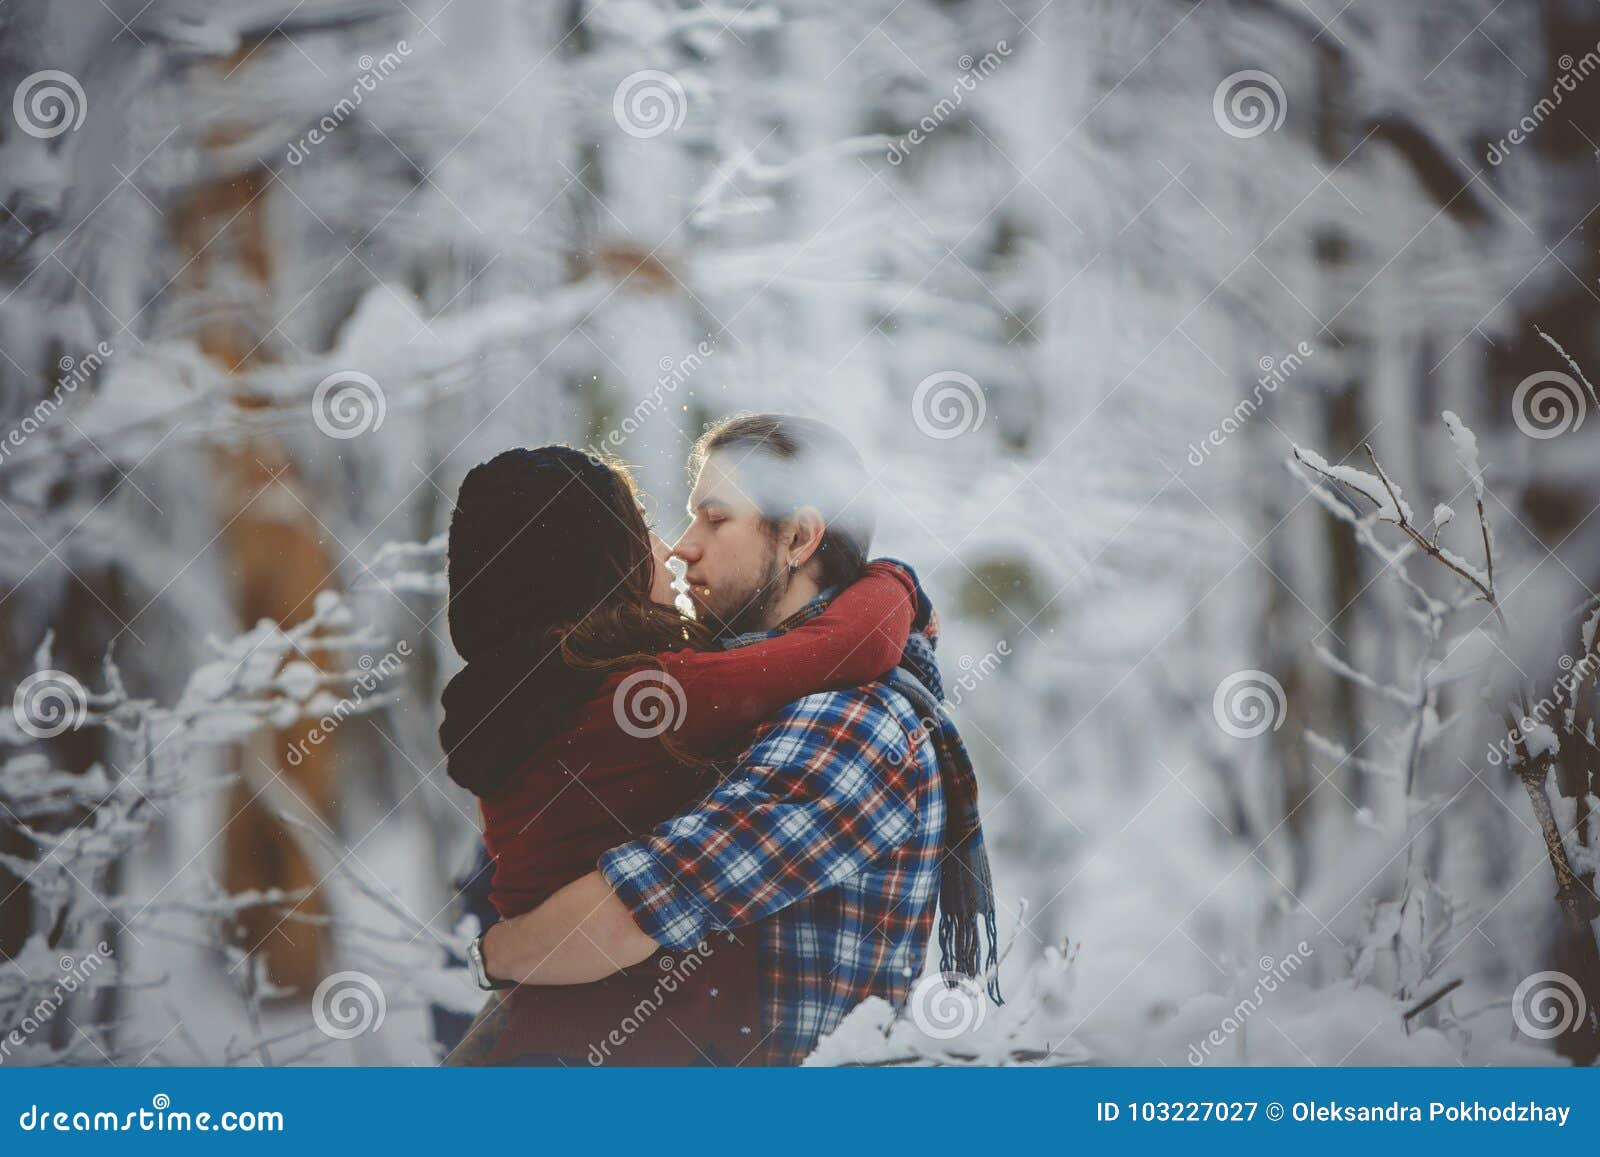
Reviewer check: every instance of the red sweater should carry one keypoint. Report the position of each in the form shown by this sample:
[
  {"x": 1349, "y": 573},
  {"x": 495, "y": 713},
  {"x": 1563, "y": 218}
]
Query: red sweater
[{"x": 596, "y": 786}]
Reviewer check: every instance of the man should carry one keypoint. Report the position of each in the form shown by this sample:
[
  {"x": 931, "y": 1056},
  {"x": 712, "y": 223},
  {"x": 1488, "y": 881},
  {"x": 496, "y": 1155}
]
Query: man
[{"x": 849, "y": 820}]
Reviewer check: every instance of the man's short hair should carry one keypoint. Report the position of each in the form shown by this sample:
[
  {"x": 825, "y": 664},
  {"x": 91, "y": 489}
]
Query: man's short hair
[{"x": 786, "y": 462}]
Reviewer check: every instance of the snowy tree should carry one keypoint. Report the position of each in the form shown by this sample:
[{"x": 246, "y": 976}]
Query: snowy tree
[{"x": 1146, "y": 316}]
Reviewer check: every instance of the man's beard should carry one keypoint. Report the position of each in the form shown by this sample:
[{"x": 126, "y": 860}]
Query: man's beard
[{"x": 751, "y": 609}]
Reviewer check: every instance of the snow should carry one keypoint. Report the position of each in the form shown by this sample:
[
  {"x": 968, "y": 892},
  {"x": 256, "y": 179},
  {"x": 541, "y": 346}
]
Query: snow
[
  {"x": 1466, "y": 446},
  {"x": 299, "y": 680},
  {"x": 1369, "y": 486},
  {"x": 1122, "y": 279},
  {"x": 1541, "y": 740},
  {"x": 1341, "y": 1024},
  {"x": 1571, "y": 362}
]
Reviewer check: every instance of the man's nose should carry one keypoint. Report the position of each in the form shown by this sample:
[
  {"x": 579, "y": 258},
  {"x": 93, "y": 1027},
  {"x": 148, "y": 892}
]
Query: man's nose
[{"x": 686, "y": 550}]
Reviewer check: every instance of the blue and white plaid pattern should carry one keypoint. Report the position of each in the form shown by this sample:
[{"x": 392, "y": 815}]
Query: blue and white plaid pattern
[{"x": 829, "y": 832}]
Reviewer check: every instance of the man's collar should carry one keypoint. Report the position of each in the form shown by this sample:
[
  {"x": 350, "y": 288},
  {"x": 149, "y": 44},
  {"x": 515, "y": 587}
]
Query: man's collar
[{"x": 805, "y": 614}]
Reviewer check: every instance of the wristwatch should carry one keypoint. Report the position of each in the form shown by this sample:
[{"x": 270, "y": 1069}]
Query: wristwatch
[{"x": 480, "y": 973}]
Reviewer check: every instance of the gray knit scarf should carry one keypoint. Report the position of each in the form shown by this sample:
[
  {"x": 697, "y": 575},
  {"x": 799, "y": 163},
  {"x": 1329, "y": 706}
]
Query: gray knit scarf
[{"x": 966, "y": 889}]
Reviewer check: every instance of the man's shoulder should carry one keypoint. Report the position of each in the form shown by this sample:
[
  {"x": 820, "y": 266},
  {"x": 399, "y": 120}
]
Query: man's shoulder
[
  {"x": 879, "y": 697},
  {"x": 874, "y": 715}
]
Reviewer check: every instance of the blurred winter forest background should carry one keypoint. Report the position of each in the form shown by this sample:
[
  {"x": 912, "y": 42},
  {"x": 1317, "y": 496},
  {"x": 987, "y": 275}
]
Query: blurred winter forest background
[{"x": 1147, "y": 315}]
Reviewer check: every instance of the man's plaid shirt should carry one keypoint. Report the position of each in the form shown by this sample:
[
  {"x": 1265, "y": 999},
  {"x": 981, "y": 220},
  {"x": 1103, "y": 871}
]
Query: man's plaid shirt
[{"x": 829, "y": 832}]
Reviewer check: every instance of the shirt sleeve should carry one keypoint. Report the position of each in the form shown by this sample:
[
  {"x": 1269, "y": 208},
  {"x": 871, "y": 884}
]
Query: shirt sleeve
[
  {"x": 824, "y": 790},
  {"x": 726, "y": 694}
]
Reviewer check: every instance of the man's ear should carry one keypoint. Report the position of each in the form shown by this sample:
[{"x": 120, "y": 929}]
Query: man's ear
[{"x": 805, "y": 535}]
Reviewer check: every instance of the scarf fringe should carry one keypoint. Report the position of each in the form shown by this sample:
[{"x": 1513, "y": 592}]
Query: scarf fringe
[{"x": 958, "y": 951}]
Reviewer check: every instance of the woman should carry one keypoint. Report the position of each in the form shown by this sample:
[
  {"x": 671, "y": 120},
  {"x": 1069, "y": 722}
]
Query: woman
[{"x": 587, "y": 713}]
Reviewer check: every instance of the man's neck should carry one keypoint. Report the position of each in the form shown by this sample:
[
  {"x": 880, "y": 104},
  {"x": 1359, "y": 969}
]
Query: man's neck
[{"x": 801, "y": 590}]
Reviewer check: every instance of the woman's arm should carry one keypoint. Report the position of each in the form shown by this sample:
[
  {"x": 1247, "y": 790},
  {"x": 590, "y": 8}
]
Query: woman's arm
[
  {"x": 581, "y": 934},
  {"x": 859, "y": 637},
  {"x": 825, "y": 792}
]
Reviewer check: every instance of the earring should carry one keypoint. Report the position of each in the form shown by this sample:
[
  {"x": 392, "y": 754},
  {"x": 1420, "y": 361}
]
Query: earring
[{"x": 793, "y": 566}]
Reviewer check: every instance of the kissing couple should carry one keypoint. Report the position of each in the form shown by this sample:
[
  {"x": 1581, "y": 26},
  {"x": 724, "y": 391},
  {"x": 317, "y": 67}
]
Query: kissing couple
[{"x": 708, "y": 837}]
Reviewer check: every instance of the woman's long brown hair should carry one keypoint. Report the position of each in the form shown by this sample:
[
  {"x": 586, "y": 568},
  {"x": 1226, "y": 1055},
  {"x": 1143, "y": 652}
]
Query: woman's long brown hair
[{"x": 625, "y": 627}]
